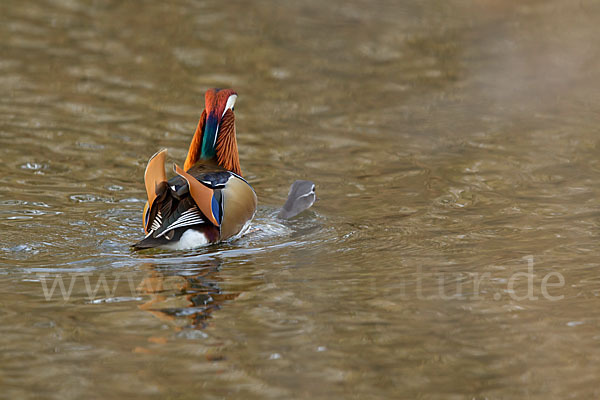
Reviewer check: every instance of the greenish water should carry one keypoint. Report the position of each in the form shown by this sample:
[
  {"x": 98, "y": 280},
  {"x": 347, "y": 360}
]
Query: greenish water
[{"x": 453, "y": 251}]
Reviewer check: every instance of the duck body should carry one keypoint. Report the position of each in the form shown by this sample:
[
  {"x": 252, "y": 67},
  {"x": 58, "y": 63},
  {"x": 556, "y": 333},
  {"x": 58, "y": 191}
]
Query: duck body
[
  {"x": 208, "y": 201},
  {"x": 178, "y": 223}
]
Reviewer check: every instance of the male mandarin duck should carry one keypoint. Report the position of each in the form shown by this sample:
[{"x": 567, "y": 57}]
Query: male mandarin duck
[{"x": 207, "y": 201}]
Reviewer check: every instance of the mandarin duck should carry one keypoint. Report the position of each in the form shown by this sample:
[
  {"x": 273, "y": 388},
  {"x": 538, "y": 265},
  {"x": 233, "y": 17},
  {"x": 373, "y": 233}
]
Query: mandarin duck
[
  {"x": 207, "y": 201},
  {"x": 300, "y": 197}
]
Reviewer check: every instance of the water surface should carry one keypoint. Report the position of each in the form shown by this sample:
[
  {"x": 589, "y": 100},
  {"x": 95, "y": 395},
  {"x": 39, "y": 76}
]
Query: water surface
[{"x": 454, "y": 146}]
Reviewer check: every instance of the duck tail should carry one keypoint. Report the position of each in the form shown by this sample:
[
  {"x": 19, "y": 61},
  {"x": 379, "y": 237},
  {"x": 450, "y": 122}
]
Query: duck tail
[{"x": 149, "y": 243}]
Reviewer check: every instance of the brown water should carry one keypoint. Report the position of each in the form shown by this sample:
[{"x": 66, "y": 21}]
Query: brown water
[{"x": 453, "y": 252}]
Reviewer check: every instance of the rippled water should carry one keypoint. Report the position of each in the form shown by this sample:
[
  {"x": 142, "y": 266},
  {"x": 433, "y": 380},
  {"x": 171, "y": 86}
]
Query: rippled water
[{"x": 451, "y": 254}]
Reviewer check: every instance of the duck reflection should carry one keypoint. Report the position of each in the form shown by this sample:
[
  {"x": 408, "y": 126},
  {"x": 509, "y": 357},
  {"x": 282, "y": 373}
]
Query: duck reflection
[{"x": 184, "y": 296}]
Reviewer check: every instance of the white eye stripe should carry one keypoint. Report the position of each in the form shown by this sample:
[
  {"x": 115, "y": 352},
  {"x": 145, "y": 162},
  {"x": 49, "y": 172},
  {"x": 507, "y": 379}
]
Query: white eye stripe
[
  {"x": 230, "y": 103},
  {"x": 305, "y": 195}
]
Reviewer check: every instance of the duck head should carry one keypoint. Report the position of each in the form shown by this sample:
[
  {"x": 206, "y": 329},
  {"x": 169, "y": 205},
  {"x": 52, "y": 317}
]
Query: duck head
[
  {"x": 300, "y": 197},
  {"x": 214, "y": 138}
]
